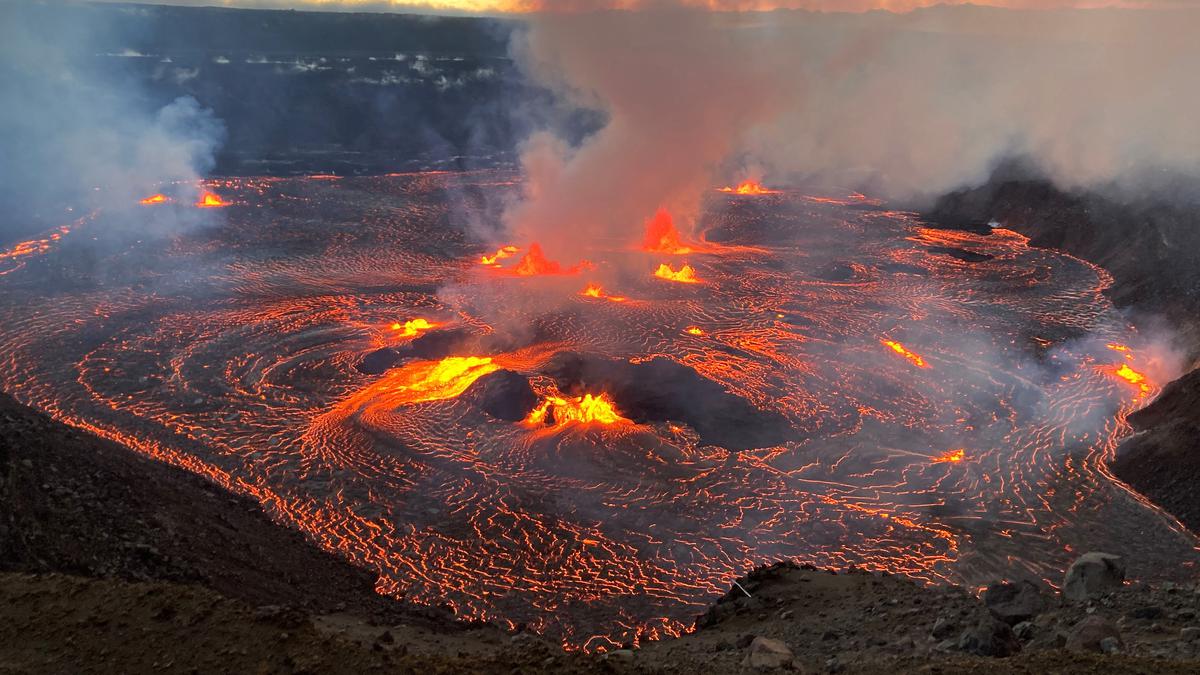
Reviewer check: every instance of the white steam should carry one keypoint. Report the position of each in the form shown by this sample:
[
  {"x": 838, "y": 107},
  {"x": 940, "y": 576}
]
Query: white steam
[{"x": 906, "y": 105}]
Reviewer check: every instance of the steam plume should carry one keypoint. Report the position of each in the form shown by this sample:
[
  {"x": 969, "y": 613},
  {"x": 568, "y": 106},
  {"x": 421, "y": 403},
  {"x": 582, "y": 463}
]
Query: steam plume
[
  {"x": 909, "y": 105},
  {"x": 74, "y": 133}
]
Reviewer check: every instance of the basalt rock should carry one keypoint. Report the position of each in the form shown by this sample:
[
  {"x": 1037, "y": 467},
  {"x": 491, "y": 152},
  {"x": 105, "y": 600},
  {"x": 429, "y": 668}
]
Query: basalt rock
[
  {"x": 1093, "y": 575},
  {"x": 504, "y": 394},
  {"x": 662, "y": 390},
  {"x": 378, "y": 361},
  {"x": 1013, "y": 603},
  {"x": 768, "y": 654},
  {"x": 1161, "y": 461},
  {"x": 989, "y": 637},
  {"x": 1090, "y": 634}
]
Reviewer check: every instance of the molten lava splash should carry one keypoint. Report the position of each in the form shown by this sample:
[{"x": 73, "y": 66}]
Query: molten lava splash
[
  {"x": 749, "y": 187},
  {"x": 951, "y": 456},
  {"x": 500, "y": 254},
  {"x": 210, "y": 200},
  {"x": 662, "y": 237},
  {"x": 1133, "y": 377},
  {"x": 535, "y": 263},
  {"x": 685, "y": 275},
  {"x": 584, "y": 410},
  {"x": 426, "y": 381},
  {"x": 594, "y": 291},
  {"x": 413, "y": 327},
  {"x": 903, "y": 351},
  {"x": 694, "y": 330},
  {"x": 155, "y": 199}
]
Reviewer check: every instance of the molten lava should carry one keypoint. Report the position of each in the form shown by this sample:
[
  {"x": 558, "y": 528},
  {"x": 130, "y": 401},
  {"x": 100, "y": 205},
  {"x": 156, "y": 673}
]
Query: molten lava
[
  {"x": 210, "y": 200},
  {"x": 951, "y": 457},
  {"x": 693, "y": 330},
  {"x": 662, "y": 237},
  {"x": 903, "y": 351},
  {"x": 428, "y": 380},
  {"x": 413, "y": 327},
  {"x": 535, "y": 263},
  {"x": 749, "y": 187},
  {"x": 594, "y": 291},
  {"x": 500, "y": 254},
  {"x": 155, "y": 199},
  {"x": 1133, "y": 377},
  {"x": 685, "y": 275},
  {"x": 584, "y": 410}
]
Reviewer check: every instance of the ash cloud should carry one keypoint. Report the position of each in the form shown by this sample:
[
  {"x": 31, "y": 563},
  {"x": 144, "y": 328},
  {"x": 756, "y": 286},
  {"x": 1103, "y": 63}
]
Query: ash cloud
[
  {"x": 907, "y": 106},
  {"x": 77, "y": 133}
]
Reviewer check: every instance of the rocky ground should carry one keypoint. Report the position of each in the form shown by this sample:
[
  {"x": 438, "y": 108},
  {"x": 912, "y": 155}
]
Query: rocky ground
[
  {"x": 113, "y": 563},
  {"x": 1162, "y": 459}
]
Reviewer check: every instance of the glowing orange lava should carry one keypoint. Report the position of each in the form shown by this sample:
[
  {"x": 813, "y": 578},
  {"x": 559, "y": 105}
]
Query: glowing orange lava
[
  {"x": 535, "y": 263},
  {"x": 693, "y": 330},
  {"x": 1132, "y": 377},
  {"x": 903, "y": 351},
  {"x": 155, "y": 199},
  {"x": 1121, "y": 348},
  {"x": 210, "y": 200},
  {"x": 662, "y": 237},
  {"x": 595, "y": 291},
  {"x": 749, "y": 187},
  {"x": 413, "y": 327},
  {"x": 500, "y": 254},
  {"x": 583, "y": 410},
  {"x": 951, "y": 456},
  {"x": 424, "y": 381},
  {"x": 685, "y": 275}
]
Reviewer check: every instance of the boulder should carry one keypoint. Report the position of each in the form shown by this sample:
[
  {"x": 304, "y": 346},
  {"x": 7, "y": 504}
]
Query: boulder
[
  {"x": 989, "y": 637},
  {"x": 1093, "y": 575},
  {"x": 1089, "y": 635},
  {"x": 378, "y": 361},
  {"x": 768, "y": 654},
  {"x": 504, "y": 394},
  {"x": 1013, "y": 603}
]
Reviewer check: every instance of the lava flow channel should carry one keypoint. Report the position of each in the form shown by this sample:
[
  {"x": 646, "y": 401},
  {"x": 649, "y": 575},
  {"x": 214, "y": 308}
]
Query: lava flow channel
[{"x": 233, "y": 352}]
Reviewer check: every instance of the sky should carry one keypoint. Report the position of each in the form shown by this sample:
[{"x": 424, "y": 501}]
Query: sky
[{"x": 519, "y": 6}]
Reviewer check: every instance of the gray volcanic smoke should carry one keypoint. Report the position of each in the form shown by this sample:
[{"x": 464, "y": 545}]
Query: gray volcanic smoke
[
  {"x": 906, "y": 105},
  {"x": 75, "y": 134}
]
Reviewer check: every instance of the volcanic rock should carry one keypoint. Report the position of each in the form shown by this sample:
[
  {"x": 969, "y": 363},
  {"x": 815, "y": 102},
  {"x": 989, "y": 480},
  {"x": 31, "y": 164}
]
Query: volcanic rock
[
  {"x": 504, "y": 394},
  {"x": 1088, "y": 634},
  {"x": 1013, "y": 603},
  {"x": 378, "y": 361},
  {"x": 1161, "y": 461},
  {"x": 768, "y": 654},
  {"x": 662, "y": 390},
  {"x": 989, "y": 637},
  {"x": 1093, "y": 575},
  {"x": 439, "y": 344}
]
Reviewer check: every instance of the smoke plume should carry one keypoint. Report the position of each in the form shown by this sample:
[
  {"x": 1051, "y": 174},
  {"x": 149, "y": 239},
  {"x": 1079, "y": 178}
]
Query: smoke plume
[
  {"x": 76, "y": 134},
  {"x": 905, "y": 105}
]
